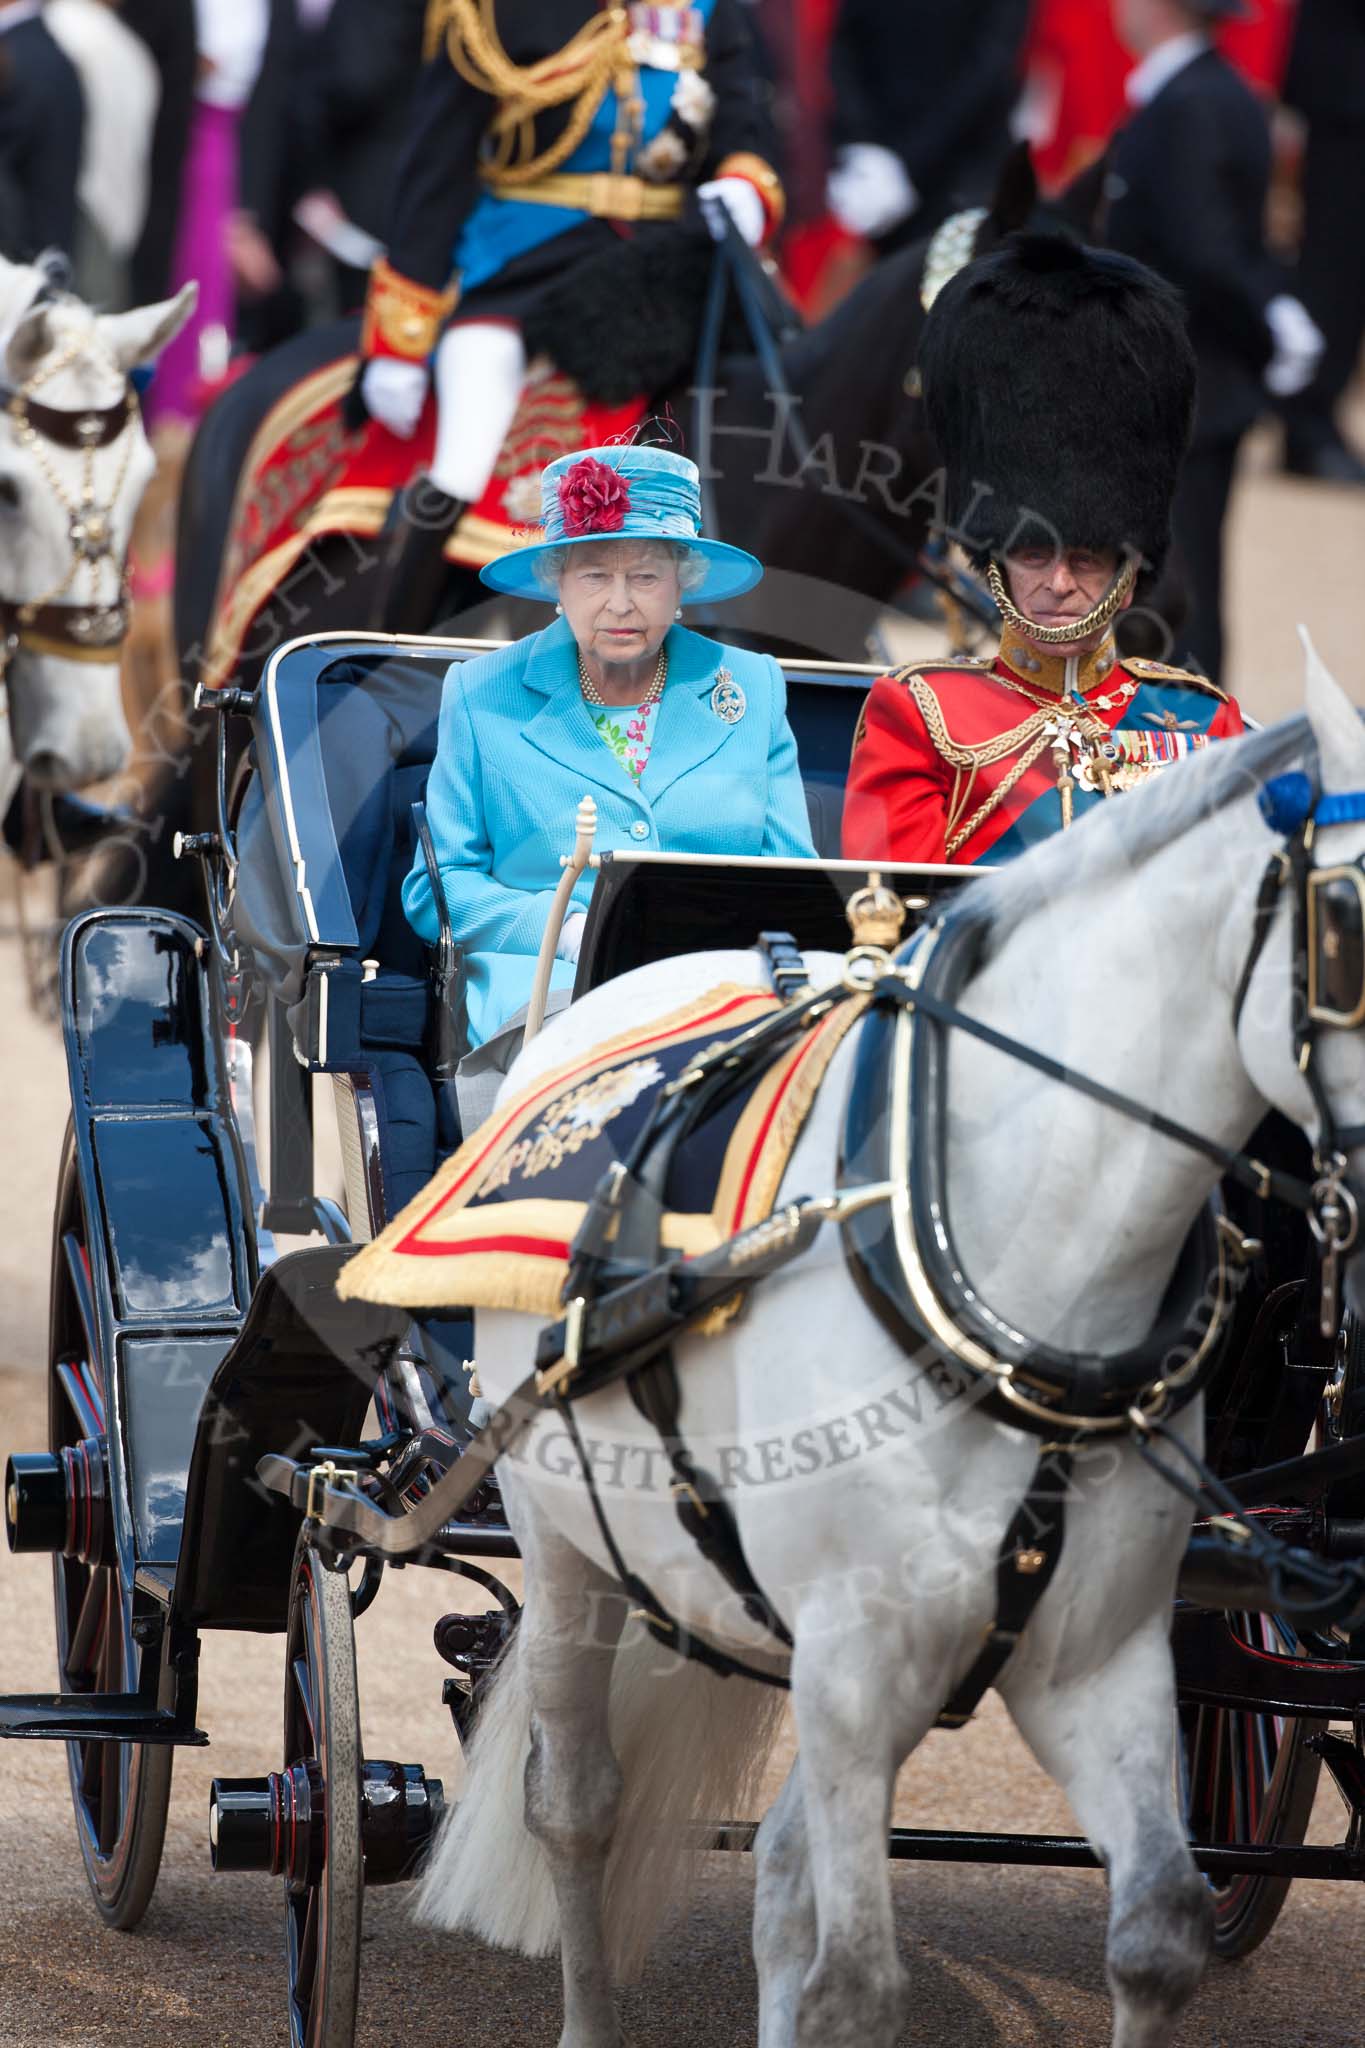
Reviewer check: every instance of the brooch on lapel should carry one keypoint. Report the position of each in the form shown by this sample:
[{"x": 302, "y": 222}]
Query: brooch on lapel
[{"x": 728, "y": 701}]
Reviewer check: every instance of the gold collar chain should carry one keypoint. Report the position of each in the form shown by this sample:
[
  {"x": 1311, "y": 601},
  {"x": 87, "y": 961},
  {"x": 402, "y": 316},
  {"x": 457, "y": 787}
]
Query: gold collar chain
[{"x": 1099, "y": 614}]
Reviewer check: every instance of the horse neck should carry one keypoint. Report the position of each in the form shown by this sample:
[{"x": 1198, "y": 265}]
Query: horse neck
[
  {"x": 1070, "y": 1217},
  {"x": 877, "y": 329}
]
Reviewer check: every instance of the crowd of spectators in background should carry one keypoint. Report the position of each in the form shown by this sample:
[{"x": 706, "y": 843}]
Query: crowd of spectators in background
[{"x": 254, "y": 144}]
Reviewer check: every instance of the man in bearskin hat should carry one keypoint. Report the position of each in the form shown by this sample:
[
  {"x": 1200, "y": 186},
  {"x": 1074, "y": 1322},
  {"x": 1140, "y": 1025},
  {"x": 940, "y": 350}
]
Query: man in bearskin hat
[
  {"x": 1058, "y": 385},
  {"x": 565, "y": 163}
]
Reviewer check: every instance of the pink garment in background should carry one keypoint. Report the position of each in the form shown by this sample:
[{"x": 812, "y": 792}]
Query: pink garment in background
[{"x": 210, "y": 191}]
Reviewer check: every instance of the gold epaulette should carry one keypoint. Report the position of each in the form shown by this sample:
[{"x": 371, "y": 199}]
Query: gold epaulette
[
  {"x": 1162, "y": 672},
  {"x": 910, "y": 674}
]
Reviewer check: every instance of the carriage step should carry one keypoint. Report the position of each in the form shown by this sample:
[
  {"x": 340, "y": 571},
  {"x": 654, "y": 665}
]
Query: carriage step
[
  {"x": 278, "y": 1824},
  {"x": 93, "y": 1717}
]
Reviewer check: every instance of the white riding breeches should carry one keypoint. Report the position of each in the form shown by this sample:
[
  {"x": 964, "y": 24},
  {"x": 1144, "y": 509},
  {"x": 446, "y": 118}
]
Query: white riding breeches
[{"x": 480, "y": 370}]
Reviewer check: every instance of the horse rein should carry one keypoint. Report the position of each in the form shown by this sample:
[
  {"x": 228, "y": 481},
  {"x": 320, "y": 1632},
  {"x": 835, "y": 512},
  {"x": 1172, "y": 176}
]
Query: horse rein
[
  {"x": 52, "y": 624},
  {"x": 631, "y": 1326}
]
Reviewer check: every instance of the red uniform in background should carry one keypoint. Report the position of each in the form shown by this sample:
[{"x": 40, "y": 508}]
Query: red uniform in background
[{"x": 1076, "y": 67}]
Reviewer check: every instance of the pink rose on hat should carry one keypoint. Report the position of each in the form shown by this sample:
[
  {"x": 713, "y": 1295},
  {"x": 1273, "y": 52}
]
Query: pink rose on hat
[{"x": 593, "y": 498}]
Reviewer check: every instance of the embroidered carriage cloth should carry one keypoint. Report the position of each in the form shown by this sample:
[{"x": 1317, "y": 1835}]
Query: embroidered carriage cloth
[
  {"x": 494, "y": 1226},
  {"x": 308, "y": 476}
]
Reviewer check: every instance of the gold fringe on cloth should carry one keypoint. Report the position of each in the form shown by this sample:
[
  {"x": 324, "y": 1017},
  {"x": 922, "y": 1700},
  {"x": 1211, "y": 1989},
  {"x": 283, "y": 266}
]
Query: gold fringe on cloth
[{"x": 443, "y": 1253}]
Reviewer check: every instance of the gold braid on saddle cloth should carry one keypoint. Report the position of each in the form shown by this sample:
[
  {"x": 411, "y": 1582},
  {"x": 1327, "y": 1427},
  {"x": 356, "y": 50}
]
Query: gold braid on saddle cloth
[
  {"x": 580, "y": 76},
  {"x": 494, "y": 1227}
]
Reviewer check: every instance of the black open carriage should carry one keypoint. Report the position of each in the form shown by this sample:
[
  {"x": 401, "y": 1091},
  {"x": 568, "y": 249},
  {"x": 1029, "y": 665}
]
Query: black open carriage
[{"x": 189, "y": 1340}]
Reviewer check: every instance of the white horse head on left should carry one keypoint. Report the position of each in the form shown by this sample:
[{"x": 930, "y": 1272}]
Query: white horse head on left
[{"x": 74, "y": 462}]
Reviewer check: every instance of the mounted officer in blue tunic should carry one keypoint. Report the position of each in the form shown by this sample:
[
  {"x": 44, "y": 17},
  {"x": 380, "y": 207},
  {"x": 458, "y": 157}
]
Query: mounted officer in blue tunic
[{"x": 565, "y": 161}]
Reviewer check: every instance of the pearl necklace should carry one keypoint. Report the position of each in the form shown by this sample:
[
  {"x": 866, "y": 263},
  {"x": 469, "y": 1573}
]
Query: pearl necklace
[{"x": 592, "y": 695}]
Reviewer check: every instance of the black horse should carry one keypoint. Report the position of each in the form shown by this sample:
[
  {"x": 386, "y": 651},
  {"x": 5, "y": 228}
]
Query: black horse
[
  {"x": 832, "y": 482},
  {"x": 839, "y": 531}
]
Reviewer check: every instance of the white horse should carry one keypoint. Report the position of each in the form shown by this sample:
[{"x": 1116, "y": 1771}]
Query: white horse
[
  {"x": 870, "y": 1508},
  {"x": 66, "y": 518}
]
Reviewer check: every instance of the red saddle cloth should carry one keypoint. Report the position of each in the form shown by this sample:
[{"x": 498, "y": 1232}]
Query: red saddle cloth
[{"x": 307, "y": 477}]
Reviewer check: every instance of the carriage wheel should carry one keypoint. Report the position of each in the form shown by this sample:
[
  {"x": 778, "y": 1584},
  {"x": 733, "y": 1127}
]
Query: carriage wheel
[
  {"x": 119, "y": 1790},
  {"x": 324, "y": 1883},
  {"x": 1248, "y": 1778}
]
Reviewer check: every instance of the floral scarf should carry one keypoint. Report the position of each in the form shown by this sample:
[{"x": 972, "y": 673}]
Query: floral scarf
[{"x": 628, "y": 731}]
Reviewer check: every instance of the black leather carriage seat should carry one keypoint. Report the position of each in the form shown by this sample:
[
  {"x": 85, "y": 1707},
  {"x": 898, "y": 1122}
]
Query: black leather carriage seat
[
  {"x": 375, "y": 707},
  {"x": 366, "y": 713}
]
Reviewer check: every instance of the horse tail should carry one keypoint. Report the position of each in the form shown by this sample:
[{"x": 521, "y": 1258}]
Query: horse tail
[{"x": 690, "y": 1747}]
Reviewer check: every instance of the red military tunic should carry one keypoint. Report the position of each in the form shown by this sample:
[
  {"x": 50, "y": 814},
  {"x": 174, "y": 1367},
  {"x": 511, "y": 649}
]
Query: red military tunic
[{"x": 975, "y": 762}]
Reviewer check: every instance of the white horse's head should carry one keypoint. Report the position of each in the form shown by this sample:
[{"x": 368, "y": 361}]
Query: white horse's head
[
  {"x": 1316, "y": 951},
  {"x": 74, "y": 462}
]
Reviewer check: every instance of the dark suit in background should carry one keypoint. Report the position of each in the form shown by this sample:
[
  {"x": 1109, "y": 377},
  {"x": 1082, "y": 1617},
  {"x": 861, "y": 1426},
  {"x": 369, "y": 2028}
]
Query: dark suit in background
[
  {"x": 331, "y": 110},
  {"x": 1189, "y": 176},
  {"x": 369, "y": 55},
  {"x": 167, "y": 28},
  {"x": 280, "y": 157},
  {"x": 42, "y": 129},
  {"x": 935, "y": 81},
  {"x": 1326, "y": 84}
]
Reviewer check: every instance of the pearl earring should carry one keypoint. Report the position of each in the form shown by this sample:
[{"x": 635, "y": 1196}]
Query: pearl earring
[
  {"x": 678, "y": 613},
  {"x": 560, "y": 609}
]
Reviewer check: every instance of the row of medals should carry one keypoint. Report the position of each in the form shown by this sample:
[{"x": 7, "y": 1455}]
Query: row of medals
[{"x": 1084, "y": 749}]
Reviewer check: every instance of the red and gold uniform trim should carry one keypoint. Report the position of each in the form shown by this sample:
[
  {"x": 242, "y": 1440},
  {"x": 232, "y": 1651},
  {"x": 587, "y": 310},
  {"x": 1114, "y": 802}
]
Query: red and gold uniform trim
[
  {"x": 743, "y": 163},
  {"x": 950, "y": 760},
  {"x": 308, "y": 478},
  {"x": 403, "y": 318}
]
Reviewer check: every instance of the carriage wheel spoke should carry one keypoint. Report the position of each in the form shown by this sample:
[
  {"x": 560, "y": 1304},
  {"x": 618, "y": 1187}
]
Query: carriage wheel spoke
[
  {"x": 79, "y": 1660},
  {"x": 308, "y": 1954},
  {"x": 303, "y": 1692},
  {"x": 92, "y": 1774},
  {"x": 111, "y": 1799}
]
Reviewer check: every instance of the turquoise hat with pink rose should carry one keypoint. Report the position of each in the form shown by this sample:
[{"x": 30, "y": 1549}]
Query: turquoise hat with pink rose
[{"x": 625, "y": 493}]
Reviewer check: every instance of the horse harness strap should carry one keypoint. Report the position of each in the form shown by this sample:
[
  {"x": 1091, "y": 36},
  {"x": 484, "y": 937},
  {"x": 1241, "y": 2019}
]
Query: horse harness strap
[
  {"x": 626, "y": 1304},
  {"x": 75, "y": 632},
  {"x": 69, "y": 631},
  {"x": 1030, "y": 1552},
  {"x": 93, "y": 427}
]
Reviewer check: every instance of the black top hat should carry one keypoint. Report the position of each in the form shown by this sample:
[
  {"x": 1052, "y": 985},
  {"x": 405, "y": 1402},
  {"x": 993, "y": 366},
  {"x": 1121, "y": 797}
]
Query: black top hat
[{"x": 1059, "y": 386}]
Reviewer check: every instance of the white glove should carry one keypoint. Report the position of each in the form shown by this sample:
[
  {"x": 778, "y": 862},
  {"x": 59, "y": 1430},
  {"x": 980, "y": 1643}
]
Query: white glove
[
  {"x": 571, "y": 936},
  {"x": 1299, "y": 343},
  {"x": 394, "y": 393},
  {"x": 741, "y": 201},
  {"x": 869, "y": 191}
]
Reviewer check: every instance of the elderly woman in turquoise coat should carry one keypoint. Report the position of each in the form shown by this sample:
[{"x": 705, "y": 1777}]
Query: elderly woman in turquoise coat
[{"x": 682, "y": 741}]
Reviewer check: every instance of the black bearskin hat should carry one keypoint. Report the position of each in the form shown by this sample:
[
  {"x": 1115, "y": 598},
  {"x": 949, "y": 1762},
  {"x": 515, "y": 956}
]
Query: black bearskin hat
[{"x": 1059, "y": 386}]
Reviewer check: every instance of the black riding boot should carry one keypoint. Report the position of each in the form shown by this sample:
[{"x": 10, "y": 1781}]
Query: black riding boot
[{"x": 413, "y": 568}]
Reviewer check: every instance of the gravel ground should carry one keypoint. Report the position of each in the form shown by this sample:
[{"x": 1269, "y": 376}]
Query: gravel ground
[{"x": 996, "y": 1956}]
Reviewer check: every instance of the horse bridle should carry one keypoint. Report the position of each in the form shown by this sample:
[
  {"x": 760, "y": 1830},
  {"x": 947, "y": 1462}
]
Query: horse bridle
[
  {"x": 51, "y": 625},
  {"x": 1327, "y": 966}
]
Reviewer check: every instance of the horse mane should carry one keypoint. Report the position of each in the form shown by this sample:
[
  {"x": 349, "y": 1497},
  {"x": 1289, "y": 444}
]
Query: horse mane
[{"x": 1114, "y": 838}]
